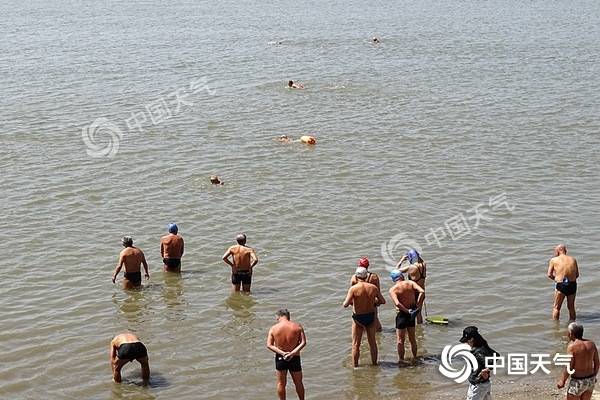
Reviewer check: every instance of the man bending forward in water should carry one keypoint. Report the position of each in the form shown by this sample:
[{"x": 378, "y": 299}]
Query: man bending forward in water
[
  {"x": 131, "y": 258},
  {"x": 564, "y": 271},
  {"x": 125, "y": 348},
  {"x": 365, "y": 297},
  {"x": 286, "y": 339},
  {"x": 244, "y": 260}
]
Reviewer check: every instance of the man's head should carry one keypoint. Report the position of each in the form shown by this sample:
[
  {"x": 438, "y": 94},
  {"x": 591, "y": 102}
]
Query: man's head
[
  {"x": 361, "y": 273},
  {"x": 127, "y": 241},
  {"x": 575, "y": 331},
  {"x": 560, "y": 249},
  {"x": 173, "y": 229},
  {"x": 363, "y": 262},
  {"x": 291, "y": 83},
  {"x": 396, "y": 275},
  {"x": 215, "y": 180},
  {"x": 283, "y": 313},
  {"x": 241, "y": 239}
]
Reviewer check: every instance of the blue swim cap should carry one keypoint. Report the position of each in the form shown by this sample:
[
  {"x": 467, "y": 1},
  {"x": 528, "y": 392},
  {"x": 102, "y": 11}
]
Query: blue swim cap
[
  {"x": 396, "y": 275},
  {"x": 413, "y": 256},
  {"x": 173, "y": 228}
]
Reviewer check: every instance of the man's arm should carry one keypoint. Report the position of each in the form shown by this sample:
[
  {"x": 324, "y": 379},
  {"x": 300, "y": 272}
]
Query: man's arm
[
  {"x": 162, "y": 249},
  {"x": 226, "y": 257},
  {"x": 253, "y": 258},
  {"x": 348, "y": 301},
  {"x": 596, "y": 362},
  {"x": 112, "y": 354},
  {"x": 380, "y": 298},
  {"x": 551, "y": 270},
  {"x": 404, "y": 257},
  {"x": 576, "y": 269},
  {"x": 118, "y": 268},
  {"x": 145, "y": 264},
  {"x": 271, "y": 344},
  {"x": 301, "y": 345},
  {"x": 182, "y": 246},
  {"x": 396, "y": 302},
  {"x": 562, "y": 381}
]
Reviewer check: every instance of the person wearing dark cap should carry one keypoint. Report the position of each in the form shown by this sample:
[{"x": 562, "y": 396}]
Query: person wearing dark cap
[
  {"x": 242, "y": 263},
  {"x": 416, "y": 271},
  {"x": 371, "y": 278},
  {"x": 132, "y": 259},
  {"x": 171, "y": 249},
  {"x": 479, "y": 381}
]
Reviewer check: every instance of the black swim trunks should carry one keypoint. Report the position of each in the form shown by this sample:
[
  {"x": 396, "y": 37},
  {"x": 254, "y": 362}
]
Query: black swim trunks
[
  {"x": 292, "y": 365},
  {"x": 364, "y": 319},
  {"x": 134, "y": 277},
  {"x": 244, "y": 277},
  {"x": 132, "y": 351},
  {"x": 405, "y": 320},
  {"x": 567, "y": 288},
  {"x": 172, "y": 262}
]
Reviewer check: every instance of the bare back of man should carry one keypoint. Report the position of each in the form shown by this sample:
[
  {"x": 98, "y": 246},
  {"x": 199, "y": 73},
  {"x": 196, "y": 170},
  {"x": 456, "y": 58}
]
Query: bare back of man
[
  {"x": 132, "y": 259},
  {"x": 286, "y": 339},
  {"x": 364, "y": 297},
  {"x": 171, "y": 250},
  {"x": 584, "y": 365},
  {"x": 563, "y": 270},
  {"x": 242, "y": 260},
  {"x": 125, "y": 348},
  {"x": 374, "y": 279},
  {"x": 408, "y": 297}
]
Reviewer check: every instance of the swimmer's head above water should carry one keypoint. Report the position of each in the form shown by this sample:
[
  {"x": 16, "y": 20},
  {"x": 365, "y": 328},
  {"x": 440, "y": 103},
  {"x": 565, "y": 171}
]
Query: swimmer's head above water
[
  {"x": 363, "y": 262},
  {"x": 241, "y": 239},
  {"x": 413, "y": 256},
  {"x": 290, "y": 83},
  {"x": 214, "y": 179},
  {"x": 560, "y": 249},
  {"x": 173, "y": 229},
  {"x": 127, "y": 241}
]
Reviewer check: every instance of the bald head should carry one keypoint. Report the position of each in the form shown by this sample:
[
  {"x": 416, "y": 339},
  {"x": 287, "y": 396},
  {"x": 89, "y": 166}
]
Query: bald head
[
  {"x": 241, "y": 239},
  {"x": 560, "y": 249}
]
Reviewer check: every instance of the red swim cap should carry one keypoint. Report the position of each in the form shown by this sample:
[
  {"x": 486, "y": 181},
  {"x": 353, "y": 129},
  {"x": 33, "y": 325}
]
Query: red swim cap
[{"x": 363, "y": 262}]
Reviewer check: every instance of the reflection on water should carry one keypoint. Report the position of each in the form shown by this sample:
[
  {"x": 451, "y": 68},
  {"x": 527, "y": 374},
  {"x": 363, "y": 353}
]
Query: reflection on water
[
  {"x": 363, "y": 382},
  {"x": 241, "y": 306},
  {"x": 172, "y": 294},
  {"x": 131, "y": 389},
  {"x": 133, "y": 307}
]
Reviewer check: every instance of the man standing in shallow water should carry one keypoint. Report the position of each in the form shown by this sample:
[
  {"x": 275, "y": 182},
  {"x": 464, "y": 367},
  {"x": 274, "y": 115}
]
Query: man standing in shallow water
[
  {"x": 171, "y": 249},
  {"x": 131, "y": 258},
  {"x": 244, "y": 260},
  {"x": 286, "y": 339},
  {"x": 364, "y": 297},
  {"x": 564, "y": 271},
  {"x": 584, "y": 362}
]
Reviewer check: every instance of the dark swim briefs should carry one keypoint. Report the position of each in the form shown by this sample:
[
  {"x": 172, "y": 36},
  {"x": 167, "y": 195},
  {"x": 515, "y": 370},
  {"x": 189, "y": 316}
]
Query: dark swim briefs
[
  {"x": 292, "y": 365},
  {"x": 567, "y": 288},
  {"x": 172, "y": 262},
  {"x": 244, "y": 277},
  {"x": 132, "y": 351},
  {"x": 405, "y": 320},
  {"x": 364, "y": 319},
  {"x": 134, "y": 277}
]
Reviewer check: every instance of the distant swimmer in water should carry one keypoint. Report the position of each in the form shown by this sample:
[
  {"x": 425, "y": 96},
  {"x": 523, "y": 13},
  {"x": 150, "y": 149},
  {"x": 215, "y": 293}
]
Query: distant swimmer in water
[
  {"x": 215, "y": 180},
  {"x": 132, "y": 259},
  {"x": 416, "y": 270},
  {"x": 242, "y": 264},
  {"x": 371, "y": 278},
  {"x": 585, "y": 364},
  {"x": 286, "y": 339},
  {"x": 307, "y": 139},
  {"x": 408, "y": 297},
  {"x": 171, "y": 249},
  {"x": 283, "y": 139},
  {"x": 125, "y": 348},
  {"x": 563, "y": 270},
  {"x": 364, "y": 297},
  {"x": 375, "y": 40},
  {"x": 292, "y": 85}
]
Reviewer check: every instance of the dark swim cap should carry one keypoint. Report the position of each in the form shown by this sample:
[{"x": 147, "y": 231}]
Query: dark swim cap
[{"x": 173, "y": 229}]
